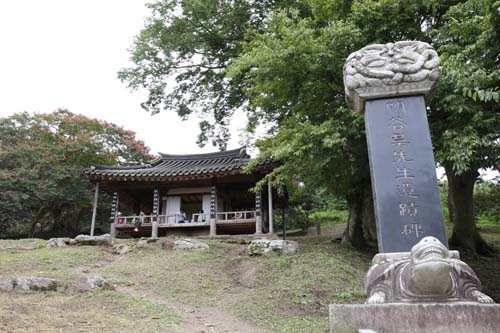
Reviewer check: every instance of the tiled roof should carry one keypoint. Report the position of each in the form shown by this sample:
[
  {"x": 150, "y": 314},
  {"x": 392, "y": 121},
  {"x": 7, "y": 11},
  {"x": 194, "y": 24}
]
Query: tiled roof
[{"x": 174, "y": 166}]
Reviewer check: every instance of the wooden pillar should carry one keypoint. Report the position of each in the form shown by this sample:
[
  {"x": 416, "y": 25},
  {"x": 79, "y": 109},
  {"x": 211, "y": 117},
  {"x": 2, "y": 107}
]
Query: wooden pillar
[
  {"x": 94, "y": 209},
  {"x": 154, "y": 223},
  {"x": 114, "y": 211},
  {"x": 270, "y": 206},
  {"x": 258, "y": 214},
  {"x": 213, "y": 210}
]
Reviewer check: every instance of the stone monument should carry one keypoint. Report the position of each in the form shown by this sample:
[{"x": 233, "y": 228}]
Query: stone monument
[{"x": 415, "y": 283}]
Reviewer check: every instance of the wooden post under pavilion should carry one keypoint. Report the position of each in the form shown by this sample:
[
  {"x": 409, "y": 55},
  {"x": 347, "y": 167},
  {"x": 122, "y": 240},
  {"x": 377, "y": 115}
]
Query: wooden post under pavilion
[
  {"x": 270, "y": 206},
  {"x": 114, "y": 211},
  {"x": 213, "y": 210},
  {"x": 154, "y": 222},
  {"x": 258, "y": 214},
  {"x": 94, "y": 209}
]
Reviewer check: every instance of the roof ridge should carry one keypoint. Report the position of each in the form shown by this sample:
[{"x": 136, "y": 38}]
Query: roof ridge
[
  {"x": 120, "y": 167},
  {"x": 234, "y": 153},
  {"x": 231, "y": 162}
]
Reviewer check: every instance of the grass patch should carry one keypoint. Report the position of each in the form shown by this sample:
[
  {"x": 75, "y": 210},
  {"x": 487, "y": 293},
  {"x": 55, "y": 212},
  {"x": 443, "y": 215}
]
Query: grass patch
[
  {"x": 54, "y": 263},
  {"x": 88, "y": 312},
  {"x": 138, "y": 309},
  {"x": 20, "y": 244},
  {"x": 279, "y": 293}
]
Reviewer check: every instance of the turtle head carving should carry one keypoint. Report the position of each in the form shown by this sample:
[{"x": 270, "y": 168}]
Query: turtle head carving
[
  {"x": 430, "y": 267},
  {"x": 429, "y": 249}
]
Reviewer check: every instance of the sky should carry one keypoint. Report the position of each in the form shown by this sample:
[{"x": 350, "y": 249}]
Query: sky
[{"x": 66, "y": 54}]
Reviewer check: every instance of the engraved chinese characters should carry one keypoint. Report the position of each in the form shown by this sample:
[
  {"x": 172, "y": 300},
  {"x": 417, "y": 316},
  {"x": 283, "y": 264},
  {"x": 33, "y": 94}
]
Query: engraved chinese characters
[
  {"x": 407, "y": 203},
  {"x": 402, "y": 162}
]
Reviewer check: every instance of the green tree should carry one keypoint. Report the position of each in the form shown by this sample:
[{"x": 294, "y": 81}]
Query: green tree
[
  {"x": 181, "y": 56},
  {"x": 466, "y": 111},
  {"x": 42, "y": 161},
  {"x": 286, "y": 71}
]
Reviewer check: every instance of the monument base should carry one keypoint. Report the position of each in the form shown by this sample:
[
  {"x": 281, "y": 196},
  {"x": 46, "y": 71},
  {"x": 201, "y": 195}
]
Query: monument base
[{"x": 459, "y": 317}]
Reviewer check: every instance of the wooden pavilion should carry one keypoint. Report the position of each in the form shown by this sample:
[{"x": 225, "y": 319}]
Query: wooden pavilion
[{"x": 188, "y": 195}]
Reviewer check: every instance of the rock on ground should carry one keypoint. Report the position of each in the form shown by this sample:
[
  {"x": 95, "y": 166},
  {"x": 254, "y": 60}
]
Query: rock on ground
[
  {"x": 167, "y": 244},
  {"x": 6, "y": 285},
  {"x": 268, "y": 247},
  {"x": 57, "y": 242},
  {"x": 100, "y": 283},
  {"x": 121, "y": 249},
  {"x": 36, "y": 284},
  {"x": 93, "y": 240},
  {"x": 189, "y": 244}
]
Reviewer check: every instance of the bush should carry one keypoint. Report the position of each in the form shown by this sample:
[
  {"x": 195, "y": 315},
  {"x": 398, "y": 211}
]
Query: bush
[
  {"x": 331, "y": 216},
  {"x": 487, "y": 203}
]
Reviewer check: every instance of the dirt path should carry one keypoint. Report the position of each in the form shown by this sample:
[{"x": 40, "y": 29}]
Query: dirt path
[
  {"x": 199, "y": 320},
  {"x": 194, "y": 319}
]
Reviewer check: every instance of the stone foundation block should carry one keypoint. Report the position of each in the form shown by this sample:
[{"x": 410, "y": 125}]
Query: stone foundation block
[{"x": 459, "y": 317}]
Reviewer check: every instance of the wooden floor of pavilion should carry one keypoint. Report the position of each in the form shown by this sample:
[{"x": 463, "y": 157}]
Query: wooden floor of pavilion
[{"x": 191, "y": 229}]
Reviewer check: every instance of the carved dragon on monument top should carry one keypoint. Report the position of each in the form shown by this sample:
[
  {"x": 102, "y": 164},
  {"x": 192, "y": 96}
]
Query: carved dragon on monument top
[{"x": 401, "y": 68}]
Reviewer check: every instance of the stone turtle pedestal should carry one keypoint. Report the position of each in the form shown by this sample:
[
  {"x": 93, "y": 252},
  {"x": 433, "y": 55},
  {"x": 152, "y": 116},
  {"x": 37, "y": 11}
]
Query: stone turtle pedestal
[
  {"x": 457, "y": 317},
  {"x": 427, "y": 290}
]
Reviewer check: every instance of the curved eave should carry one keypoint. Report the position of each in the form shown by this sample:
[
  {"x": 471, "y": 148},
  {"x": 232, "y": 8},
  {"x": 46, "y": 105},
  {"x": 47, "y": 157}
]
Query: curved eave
[{"x": 176, "y": 178}]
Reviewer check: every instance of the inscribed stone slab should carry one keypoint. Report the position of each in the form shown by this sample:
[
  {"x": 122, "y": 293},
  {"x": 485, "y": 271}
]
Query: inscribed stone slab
[{"x": 405, "y": 189}]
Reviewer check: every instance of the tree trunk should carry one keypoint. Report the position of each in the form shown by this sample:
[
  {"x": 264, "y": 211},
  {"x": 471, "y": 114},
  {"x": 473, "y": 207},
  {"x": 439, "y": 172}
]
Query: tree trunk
[
  {"x": 465, "y": 235},
  {"x": 368, "y": 217},
  {"x": 361, "y": 223},
  {"x": 451, "y": 204},
  {"x": 305, "y": 225},
  {"x": 36, "y": 226}
]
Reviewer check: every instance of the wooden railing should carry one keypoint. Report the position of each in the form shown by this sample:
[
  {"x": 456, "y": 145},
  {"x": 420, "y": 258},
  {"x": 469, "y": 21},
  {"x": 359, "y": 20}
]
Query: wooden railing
[
  {"x": 201, "y": 217},
  {"x": 178, "y": 218},
  {"x": 242, "y": 216},
  {"x": 124, "y": 220}
]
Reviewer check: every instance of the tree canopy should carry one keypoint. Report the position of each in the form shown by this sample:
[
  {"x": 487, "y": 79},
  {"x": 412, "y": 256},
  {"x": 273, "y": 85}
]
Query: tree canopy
[
  {"x": 42, "y": 161},
  {"x": 281, "y": 62}
]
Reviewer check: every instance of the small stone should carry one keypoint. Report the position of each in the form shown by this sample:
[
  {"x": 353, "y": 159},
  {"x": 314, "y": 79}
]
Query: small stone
[
  {"x": 167, "y": 244},
  {"x": 6, "y": 285},
  {"x": 142, "y": 244},
  {"x": 121, "y": 249},
  {"x": 99, "y": 283},
  {"x": 37, "y": 284},
  {"x": 189, "y": 244},
  {"x": 93, "y": 240},
  {"x": 268, "y": 247},
  {"x": 57, "y": 242}
]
